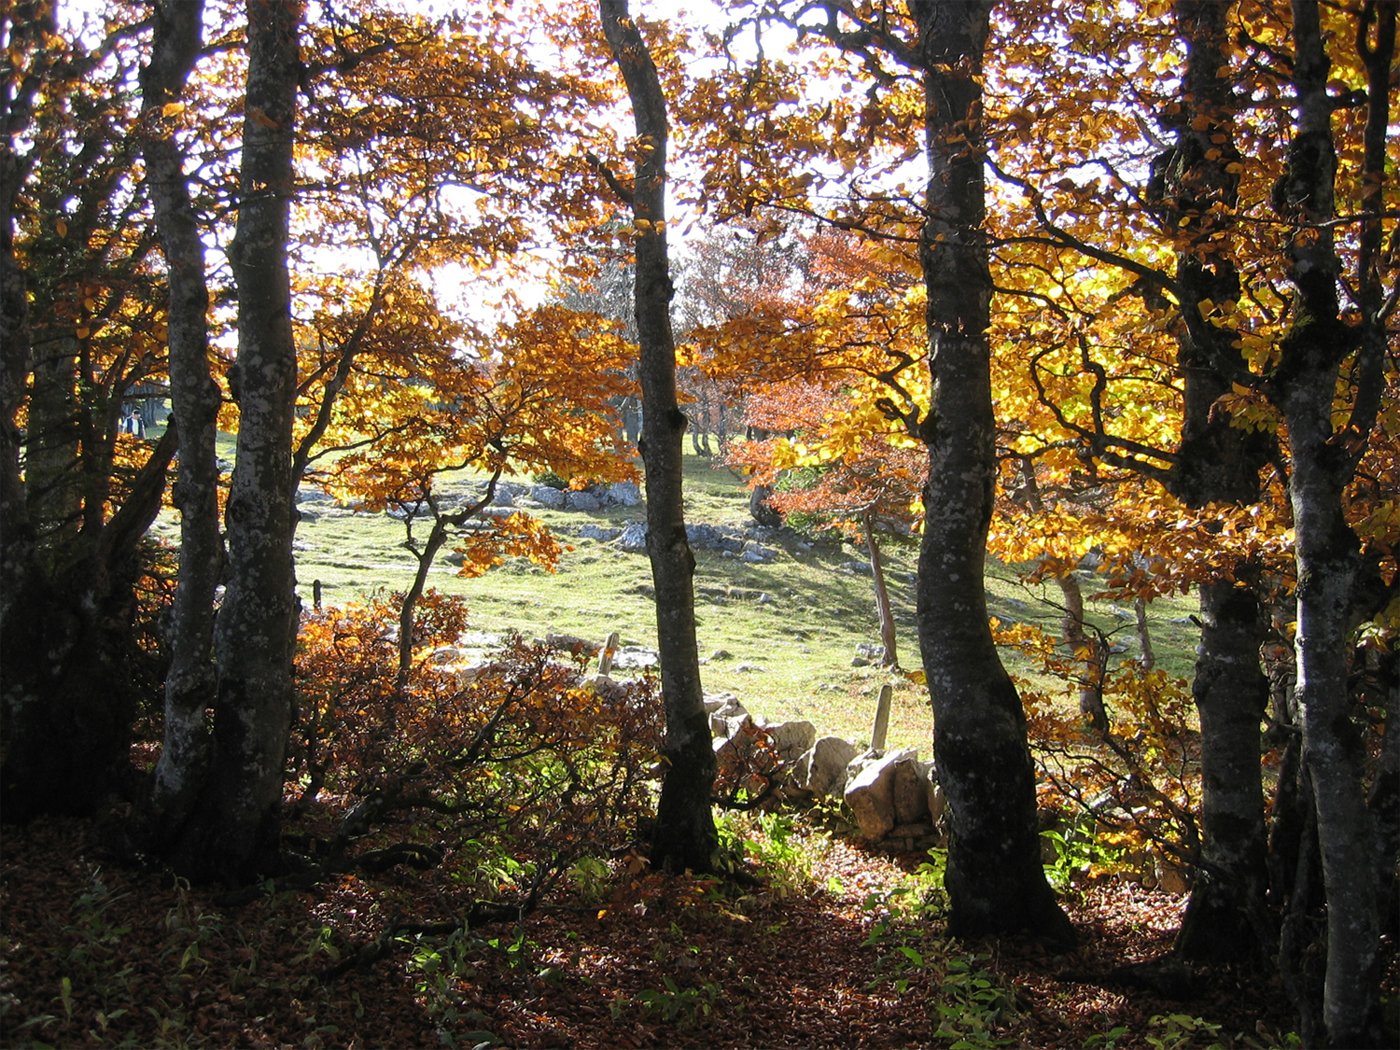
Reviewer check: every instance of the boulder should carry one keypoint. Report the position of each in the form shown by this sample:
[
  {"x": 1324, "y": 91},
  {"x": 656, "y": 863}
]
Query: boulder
[
  {"x": 871, "y": 794},
  {"x": 910, "y": 792},
  {"x": 623, "y": 494},
  {"x": 548, "y": 496},
  {"x": 792, "y": 739},
  {"x": 822, "y": 770},
  {"x": 635, "y": 658},
  {"x": 601, "y": 533},
  {"x": 722, "y": 710},
  {"x": 937, "y": 801},
  {"x": 633, "y": 536},
  {"x": 582, "y": 501}
]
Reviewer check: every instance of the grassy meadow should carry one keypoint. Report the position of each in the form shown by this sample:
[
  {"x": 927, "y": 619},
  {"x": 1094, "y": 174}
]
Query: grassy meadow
[{"x": 781, "y": 635}]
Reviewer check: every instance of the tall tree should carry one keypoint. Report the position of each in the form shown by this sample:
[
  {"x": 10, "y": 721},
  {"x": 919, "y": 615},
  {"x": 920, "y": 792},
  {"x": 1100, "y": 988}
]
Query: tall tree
[
  {"x": 1327, "y": 552},
  {"x": 684, "y": 835},
  {"x": 232, "y": 832},
  {"x": 194, "y": 398},
  {"x": 1196, "y": 186},
  {"x": 995, "y": 879},
  {"x": 78, "y": 333}
]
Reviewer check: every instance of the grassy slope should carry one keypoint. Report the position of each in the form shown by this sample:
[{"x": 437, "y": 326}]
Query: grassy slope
[{"x": 789, "y": 657}]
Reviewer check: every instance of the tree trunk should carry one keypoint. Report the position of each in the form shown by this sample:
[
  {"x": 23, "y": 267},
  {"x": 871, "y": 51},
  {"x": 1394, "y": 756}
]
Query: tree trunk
[
  {"x": 69, "y": 661},
  {"x": 190, "y": 681},
  {"x": 684, "y": 835},
  {"x": 889, "y": 638},
  {"x": 233, "y": 834},
  {"x": 1195, "y": 189},
  {"x": 1090, "y": 652},
  {"x": 1326, "y": 549},
  {"x": 1384, "y": 797},
  {"x": 1227, "y": 917},
  {"x": 995, "y": 880},
  {"x": 1147, "y": 659}
]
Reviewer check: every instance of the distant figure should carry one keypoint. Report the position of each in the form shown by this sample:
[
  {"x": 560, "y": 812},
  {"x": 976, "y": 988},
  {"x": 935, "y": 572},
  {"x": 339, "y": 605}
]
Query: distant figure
[{"x": 133, "y": 423}]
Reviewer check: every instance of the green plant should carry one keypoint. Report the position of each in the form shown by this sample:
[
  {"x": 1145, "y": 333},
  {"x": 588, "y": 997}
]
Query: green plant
[
  {"x": 438, "y": 969},
  {"x": 973, "y": 1002},
  {"x": 589, "y": 877},
  {"x": 1078, "y": 854},
  {"x": 770, "y": 842},
  {"x": 686, "y": 1006},
  {"x": 1180, "y": 1031},
  {"x": 1107, "y": 1040}
]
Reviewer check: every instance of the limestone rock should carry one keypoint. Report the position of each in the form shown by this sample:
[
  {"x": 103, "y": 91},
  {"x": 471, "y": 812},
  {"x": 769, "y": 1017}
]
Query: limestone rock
[
  {"x": 584, "y": 501},
  {"x": 633, "y": 536},
  {"x": 822, "y": 770},
  {"x": 792, "y": 739},
  {"x": 623, "y": 494},
  {"x": 548, "y": 496},
  {"x": 871, "y": 795}
]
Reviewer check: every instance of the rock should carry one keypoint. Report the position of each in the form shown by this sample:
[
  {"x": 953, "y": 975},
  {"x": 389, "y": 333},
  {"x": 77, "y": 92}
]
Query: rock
[
  {"x": 307, "y": 514},
  {"x": 707, "y": 537},
  {"x": 447, "y": 654},
  {"x": 910, "y": 792},
  {"x": 937, "y": 801},
  {"x": 572, "y": 643},
  {"x": 548, "y": 496},
  {"x": 859, "y": 661},
  {"x": 792, "y": 739},
  {"x": 757, "y": 557},
  {"x": 582, "y": 501},
  {"x": 1170, "y": 878},
  {"x": 822, "y": 770},
  {"x": 721, "y": 654},
  {"x": 724, "y": 709},
  {"x": 601, "y": 533},
  {"x": 623, "y": 494},
  {"x": 747, "y": 668},
  {"x": 610, "y": 690},
  {"x": 856, "y": 568},
  {"x": 633, "y": 536},
  {"x": 726, "y": 702},
  {"x": 635, "y": 658},
  {"x": 871, "y": 795}
]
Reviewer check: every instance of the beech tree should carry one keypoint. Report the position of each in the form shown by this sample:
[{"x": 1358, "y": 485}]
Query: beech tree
[
  {"x": 1324, "y": 458},
  {"x": 684, "y": 834},
  {"x": 232, "y": 831},
  {"x": 81, "y": 328},
  {"x": 195, "y": 399}
]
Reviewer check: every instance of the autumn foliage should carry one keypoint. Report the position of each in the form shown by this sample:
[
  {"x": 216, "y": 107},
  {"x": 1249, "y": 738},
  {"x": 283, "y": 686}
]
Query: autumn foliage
[{"x": 517, "y": 755}]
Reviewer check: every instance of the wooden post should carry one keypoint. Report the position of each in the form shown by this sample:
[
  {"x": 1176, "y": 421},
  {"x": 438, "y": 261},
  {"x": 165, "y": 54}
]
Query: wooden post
[
  {"x": 882, "y": 718},
  {"x": 605, "y": 657}
]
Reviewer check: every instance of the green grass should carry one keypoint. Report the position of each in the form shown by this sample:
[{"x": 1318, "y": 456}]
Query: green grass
[{"x": 790, "y": 654}]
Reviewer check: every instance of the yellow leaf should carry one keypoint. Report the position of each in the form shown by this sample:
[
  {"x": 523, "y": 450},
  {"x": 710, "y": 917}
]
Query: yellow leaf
[{"x": 172, "y": 109}]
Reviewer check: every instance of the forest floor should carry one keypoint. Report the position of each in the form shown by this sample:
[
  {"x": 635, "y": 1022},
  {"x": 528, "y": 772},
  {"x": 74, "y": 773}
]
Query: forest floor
[{"x": 830, "y": 945}]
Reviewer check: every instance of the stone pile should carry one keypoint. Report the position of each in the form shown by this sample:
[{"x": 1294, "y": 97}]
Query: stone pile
[{"x": 892, "y": 796}]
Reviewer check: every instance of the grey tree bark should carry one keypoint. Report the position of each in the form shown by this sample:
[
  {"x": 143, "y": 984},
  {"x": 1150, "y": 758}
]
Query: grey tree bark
[
  {"x": 232, "y": 834},
  {"x": 1326, "y": 549},
  {"x": 1195, "y": 188},
  {"x": 995, "y": 880},
  {"x": 684, "y": 835},
  {"x": 190, "y": 681}
]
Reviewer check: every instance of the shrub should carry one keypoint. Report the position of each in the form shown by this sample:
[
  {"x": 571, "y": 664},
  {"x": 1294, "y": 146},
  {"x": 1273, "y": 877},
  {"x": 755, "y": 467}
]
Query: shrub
[{"x": 517, "y": 766}]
